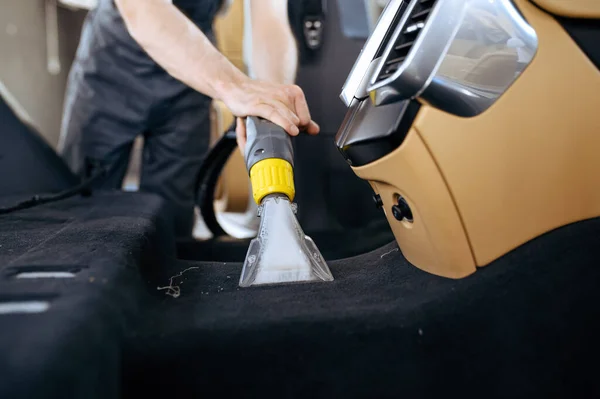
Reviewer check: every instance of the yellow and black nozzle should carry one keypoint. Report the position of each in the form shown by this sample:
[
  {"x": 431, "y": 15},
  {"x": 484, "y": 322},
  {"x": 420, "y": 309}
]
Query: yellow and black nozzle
[
  {"x": 269, "y": 159},
  {"x": 281, "y": 252}
]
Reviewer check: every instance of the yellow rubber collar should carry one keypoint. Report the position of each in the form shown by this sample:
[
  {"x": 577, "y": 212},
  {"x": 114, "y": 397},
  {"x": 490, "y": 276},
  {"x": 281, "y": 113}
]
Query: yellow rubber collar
[{"x": 272, "y": 176}]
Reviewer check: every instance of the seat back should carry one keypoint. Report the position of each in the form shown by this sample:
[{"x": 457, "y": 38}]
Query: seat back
[
  {"x": 329, "y": 196},
  {"x": 28, "y": 164}
]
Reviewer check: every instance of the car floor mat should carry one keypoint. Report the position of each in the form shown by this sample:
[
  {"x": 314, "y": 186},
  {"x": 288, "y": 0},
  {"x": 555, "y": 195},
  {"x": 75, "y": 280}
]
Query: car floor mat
[{"x": 382, "y": 328}]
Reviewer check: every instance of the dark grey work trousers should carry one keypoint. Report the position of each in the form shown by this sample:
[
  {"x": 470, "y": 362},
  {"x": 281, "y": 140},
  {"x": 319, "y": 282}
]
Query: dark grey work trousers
[{"x": 116, "y": 93}]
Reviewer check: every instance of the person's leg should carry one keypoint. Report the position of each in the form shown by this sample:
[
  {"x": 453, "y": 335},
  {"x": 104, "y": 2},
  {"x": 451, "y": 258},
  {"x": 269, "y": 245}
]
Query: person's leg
[
  {"x": 176, "y": 143},
  {"x": 94, "y": 138},
  {"x": 101, "y": 119},
  {"x": 107, "y": 102}
]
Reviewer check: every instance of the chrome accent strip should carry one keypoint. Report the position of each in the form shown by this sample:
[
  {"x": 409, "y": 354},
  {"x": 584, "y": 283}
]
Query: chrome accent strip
[
  {"x": 381, "y": 95},
  {"x": 24, "y": 307},
  {"x": 361, "y": 90},
  {"x": 470, "y": 51},
  {"x": 361, "y": 67},
  {"x": 44, "y": 274}
]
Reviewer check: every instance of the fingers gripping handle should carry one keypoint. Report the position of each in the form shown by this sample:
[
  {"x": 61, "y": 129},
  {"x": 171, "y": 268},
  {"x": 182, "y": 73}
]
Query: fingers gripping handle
[{"x": 269, "y": 159}]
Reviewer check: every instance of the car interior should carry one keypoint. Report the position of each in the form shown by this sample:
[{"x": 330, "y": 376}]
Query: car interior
[{"x": 453, "y": 192}]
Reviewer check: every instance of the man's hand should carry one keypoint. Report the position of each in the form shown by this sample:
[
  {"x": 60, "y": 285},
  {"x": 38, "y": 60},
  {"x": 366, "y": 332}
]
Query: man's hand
[
  {"x": 284, "y": 105},
  {"x": 273, "y": 61},
  {"x": 176, "y": 44}
]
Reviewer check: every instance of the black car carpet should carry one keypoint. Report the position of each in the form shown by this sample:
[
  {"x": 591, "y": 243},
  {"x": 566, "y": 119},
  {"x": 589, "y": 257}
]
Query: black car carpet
[
  {"x": 112, "y": 244},
  {"x": 333, "y": 244},
  {"x": 524, "y": 326}
]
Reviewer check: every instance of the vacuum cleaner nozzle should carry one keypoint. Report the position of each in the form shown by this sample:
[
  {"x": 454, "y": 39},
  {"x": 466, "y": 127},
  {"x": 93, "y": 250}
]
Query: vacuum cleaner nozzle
[{"x": 281, "y": 252}]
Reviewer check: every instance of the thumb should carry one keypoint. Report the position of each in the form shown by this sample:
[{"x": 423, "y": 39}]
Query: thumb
[{"x": 240, "y": 134}]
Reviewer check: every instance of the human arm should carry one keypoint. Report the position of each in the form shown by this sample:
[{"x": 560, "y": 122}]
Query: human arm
[
  {"x": 274, "y": 56},
  {"x": 181, "y": 48}
]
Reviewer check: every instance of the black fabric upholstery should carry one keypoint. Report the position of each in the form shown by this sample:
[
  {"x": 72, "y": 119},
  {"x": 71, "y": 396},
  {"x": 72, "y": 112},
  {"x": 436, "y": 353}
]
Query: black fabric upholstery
[
  {"x": 330, "y": 197},
  {"x": 73, "y": 350},
  {"x": 28, "y": 164},
  {"x": 324, "y": 74},
  {"x": 524, "y": 326}
]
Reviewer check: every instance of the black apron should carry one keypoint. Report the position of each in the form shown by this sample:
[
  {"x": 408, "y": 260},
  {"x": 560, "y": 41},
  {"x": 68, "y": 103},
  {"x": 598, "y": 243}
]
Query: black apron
[{"x": 116, "y": 92}]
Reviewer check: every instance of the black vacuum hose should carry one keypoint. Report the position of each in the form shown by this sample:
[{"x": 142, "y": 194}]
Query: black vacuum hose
[{"x": 211, "y": 169}]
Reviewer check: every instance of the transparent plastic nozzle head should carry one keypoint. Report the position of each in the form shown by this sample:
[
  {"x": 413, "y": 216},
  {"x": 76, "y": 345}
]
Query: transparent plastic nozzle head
[{"x": 281, "y": 252}]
